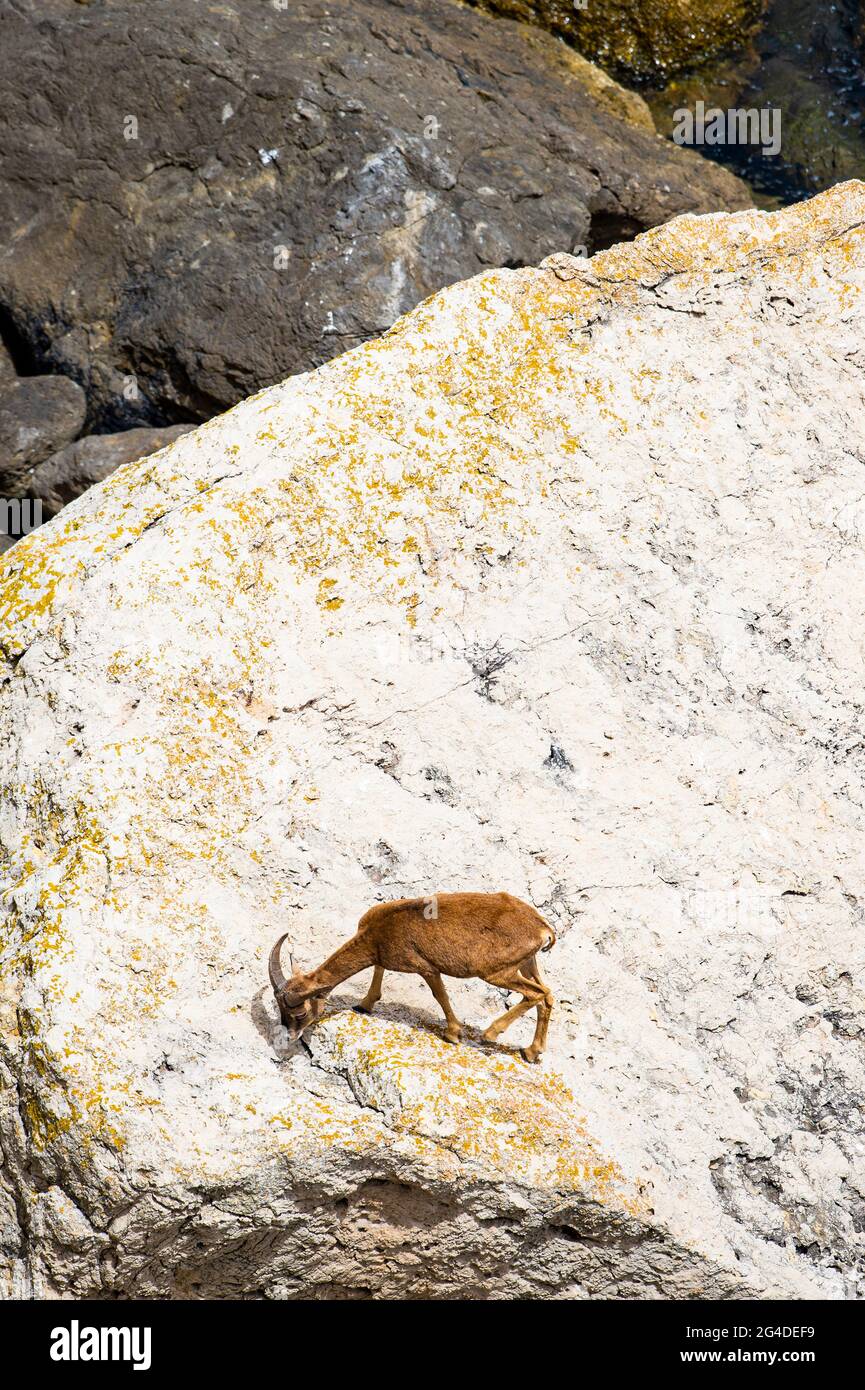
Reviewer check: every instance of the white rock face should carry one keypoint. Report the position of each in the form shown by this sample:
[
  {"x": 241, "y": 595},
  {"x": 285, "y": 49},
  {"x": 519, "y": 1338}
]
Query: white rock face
[{"x": 557, "y": 588}]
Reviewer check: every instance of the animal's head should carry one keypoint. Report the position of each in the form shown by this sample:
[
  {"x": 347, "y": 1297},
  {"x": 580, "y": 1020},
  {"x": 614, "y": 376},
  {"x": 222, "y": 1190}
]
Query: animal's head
[{"x": 297, "y": 1009}]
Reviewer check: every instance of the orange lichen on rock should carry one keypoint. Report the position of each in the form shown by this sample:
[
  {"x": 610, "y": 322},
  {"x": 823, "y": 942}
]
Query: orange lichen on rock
[{"x": 486, "y": 1107}]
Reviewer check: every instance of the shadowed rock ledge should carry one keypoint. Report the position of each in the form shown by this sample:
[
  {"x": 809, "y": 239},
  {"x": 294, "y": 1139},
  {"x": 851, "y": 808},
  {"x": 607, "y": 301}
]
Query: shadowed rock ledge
[{"x": 557, "y": 588}]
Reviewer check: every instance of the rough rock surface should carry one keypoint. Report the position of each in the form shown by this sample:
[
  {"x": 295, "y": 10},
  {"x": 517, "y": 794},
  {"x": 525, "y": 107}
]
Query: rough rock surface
[
  {"x": 558, "y": 588},
  {"x": 70, "y": 472},
  {"x": 7, "y": 366},
  {"x": 643, "y": 39},
  {"x": 38, "y": 415},
  {"x": 247, "y": 191}
]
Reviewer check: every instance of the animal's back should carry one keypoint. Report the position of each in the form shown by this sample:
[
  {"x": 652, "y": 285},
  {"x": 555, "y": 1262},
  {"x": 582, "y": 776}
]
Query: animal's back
[{"x": 459, "y": 934}]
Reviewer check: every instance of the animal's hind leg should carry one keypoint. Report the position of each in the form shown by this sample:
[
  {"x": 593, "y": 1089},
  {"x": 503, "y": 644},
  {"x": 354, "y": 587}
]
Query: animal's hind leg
[
  {"x": 533, "y": 1052},
  {"x": 498, "y": 1025},
  {"x": 534, "y": 996},
  {"x": 453, "y": 1031},
  {"x": 535, "y": 1049},
  {"x": 373, "y": 994}
]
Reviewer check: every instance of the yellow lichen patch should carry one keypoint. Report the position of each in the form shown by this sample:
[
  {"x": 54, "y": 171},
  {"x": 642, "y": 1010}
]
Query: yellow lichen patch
[
  {"x": 45, "y": 875},
  {"x": 487, "y": 1107},
  {"x": 77, "y": 1101},
  {"x": 326, "y": 598},
  {"x": 311, "y": 1121},
  {"x": 89, "y": 1112},
  {"x": 30, "y": 575},
  {"x": 795, "y": 238}
]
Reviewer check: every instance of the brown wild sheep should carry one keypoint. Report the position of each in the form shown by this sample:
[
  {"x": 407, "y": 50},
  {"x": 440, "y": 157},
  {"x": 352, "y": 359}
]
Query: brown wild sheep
[{"x": 487, "y": 936}]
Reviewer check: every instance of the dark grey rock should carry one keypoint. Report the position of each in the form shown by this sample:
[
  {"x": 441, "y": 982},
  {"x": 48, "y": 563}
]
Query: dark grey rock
[
  {"x": 70, "y": 472},
  {"x": 38, "y": 415},
  {"x": 246, "y": 191}
]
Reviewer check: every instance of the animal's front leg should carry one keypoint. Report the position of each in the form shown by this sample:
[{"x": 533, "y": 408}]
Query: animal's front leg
[
  {"x": 453, "y": 1031},
  {"x": 373, "y": 994}
]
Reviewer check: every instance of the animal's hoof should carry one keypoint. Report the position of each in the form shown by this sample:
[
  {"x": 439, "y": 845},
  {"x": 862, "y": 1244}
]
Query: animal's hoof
[
  {"x": 452, "y": 1037},
  {"x": 360, "y": 1009},
  {"x": 528, "y": 1056}
]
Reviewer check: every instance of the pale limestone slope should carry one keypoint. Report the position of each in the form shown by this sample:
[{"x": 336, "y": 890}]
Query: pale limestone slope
[{"x": 558, "y": 587}]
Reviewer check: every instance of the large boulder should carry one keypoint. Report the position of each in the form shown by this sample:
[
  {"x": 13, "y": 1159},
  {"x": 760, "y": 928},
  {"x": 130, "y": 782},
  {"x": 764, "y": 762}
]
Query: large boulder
[
  {"x": 643, "y": 39},
  {"x": 556, "y": 588},
  {"x": 38, "y": 416},
  {"x": 248, "y": 190}
]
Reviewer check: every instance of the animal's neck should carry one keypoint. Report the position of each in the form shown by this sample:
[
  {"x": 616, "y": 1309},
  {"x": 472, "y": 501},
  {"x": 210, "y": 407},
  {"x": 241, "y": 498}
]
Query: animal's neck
[{"x": 344, "y": 963}]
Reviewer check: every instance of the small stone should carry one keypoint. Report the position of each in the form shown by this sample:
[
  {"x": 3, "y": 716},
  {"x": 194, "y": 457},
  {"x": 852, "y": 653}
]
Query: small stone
[{"x": 38, "y": 415}]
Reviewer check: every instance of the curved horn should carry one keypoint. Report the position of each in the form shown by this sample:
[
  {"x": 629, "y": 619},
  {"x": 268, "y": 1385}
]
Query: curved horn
[{"x": 274, "y": 969}]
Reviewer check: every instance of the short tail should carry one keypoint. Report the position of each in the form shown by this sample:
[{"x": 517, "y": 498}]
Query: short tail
[{"x": 551, "y": 943}]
